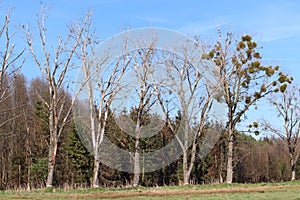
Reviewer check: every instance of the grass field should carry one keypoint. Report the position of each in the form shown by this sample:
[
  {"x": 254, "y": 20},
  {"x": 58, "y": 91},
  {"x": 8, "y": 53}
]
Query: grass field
[{"x": 286, "y": 190}]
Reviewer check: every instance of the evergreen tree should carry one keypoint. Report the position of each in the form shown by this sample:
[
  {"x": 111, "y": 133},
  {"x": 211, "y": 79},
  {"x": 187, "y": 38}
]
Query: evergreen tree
[{"x": 78, "y": 159}]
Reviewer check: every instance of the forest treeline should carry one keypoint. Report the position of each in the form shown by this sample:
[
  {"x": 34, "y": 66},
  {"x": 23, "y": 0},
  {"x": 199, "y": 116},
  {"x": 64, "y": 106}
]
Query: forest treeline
[
  {"x": 25, "y": 141},
  {"x": 52, "y": 128}
]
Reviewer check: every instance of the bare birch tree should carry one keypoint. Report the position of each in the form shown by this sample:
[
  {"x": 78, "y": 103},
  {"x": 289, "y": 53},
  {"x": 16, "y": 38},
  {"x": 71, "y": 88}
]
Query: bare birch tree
[
  {"x": 287, "y": 106},
  {"x": 54, "y": 67}
]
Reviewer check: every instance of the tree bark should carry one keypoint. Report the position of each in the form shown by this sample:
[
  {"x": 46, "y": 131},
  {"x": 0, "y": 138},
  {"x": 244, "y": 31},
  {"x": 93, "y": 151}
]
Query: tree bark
[
  {"x": 293, "y": 166},
  {"x": 96, "y": 173},
  {"x": 51, "y": 162},
  {"x": 186, "y": 176},
  {"x": 229, "y": 174},
  {"x": 136, "y": 170},
  {"x": 136, "y": 177}
]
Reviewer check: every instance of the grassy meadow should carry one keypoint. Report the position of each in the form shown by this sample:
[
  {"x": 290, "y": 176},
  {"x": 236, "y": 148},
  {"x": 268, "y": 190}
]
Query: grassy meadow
[{"x": 285, "y": 190}]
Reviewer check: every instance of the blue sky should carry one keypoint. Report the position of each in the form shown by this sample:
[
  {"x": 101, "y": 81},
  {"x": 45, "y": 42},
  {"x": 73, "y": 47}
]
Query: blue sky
[{"x": 274, "y": 24}]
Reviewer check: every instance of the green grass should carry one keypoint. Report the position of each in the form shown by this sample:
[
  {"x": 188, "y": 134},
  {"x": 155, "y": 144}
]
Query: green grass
[
  {"x": 230, "y": 196},
  {"x": 284, "y": 190}
]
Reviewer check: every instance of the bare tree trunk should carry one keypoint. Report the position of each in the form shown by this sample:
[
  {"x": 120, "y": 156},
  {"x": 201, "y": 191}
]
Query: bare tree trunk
[
  {"x": 293, "y": 166},
  {"x": 50, "y": 174},
  {"x": 229, "y": 175},
  {"x": 51, "y": 162},
  {"x": 96, "y": 173},
  {"x": 220, "y": 178},
  {"x": 186, "y": 176},
  {"x": 136, "y": 177},
  {"x": 93, "y": 117},
  {"x": 28, "y": 179},
  {"x": 137, "y": 168}
]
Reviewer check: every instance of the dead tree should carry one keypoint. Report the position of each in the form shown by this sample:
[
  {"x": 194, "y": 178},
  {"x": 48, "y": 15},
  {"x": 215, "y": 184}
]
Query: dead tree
[
  {"x": 287, "y": 107},
  {"x": 54, "y": 67},
  {"x": 11, "y": 61},
  {"x": 101, "y": 81},
  {"x": 188, "y": 93}
]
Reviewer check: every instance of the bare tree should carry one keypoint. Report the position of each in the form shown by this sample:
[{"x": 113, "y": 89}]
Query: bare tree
[
  {"x": 139, "y": 92},
  {"x": 11, "y": 61},
  {"x": 9, "y": 57},
  {"x": 101, "y": 81},
  {"x": 187, "y": 92},
  {"x": 54, "y": 68},
  {"x": 287, "y": 106},
  {"x": 143, "y": 70}
]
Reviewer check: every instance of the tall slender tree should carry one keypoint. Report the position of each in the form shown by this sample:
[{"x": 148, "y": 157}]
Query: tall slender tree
[
  {"x": 54, "y": 68},
  {"x": 145, "y": 100},
  {"x": 100, "y": 81},
  {"x": 187, "y": 90},
  {"x": 11, "y": 61},
  {"x": 244, "y": 81}
]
